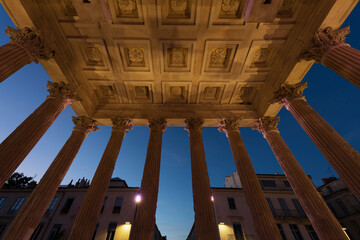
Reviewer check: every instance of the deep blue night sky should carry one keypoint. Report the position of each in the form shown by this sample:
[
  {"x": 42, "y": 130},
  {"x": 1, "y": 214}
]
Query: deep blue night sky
[{"x": 333, "y": 97}]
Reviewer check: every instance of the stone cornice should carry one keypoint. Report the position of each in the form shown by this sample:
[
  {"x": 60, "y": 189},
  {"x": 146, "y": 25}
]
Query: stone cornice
[
  {"x": 289, "y": 92},
  {"x": 62, "y": 91},
  {"x": 323, "y": 40},
  {"x": 157, "y": 124},
  {"x": 228, "y": 125},
  {"x": 266, "y": 124},
  {"x": 30, "y": 40},
  {"x": 85, "y": 124},
  {"x": 194, "y": 123},
  {"x": 121, "y": 124}
]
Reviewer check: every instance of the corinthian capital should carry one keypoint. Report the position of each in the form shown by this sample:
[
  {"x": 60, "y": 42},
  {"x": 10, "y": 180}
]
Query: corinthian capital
[
  {"x": 122, "y": 124},
  {"x": 62, "y": 91},
  {"x": 289, "y": 92},
  {"x": 323, "y": 40},
  {"x": 228, "y": 125},
  {"x": 266, "y": 124},
  {"x": 158, "y": 124},
  {"x": 85, "y": 124},
  {"x": 30, "y": 40},
  {"x": 194, "y": 123}
]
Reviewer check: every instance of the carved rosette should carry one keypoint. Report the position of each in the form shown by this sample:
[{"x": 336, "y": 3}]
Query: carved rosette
[
  {"x": 288, "y": 92},
  {"x": 85, "y": 124},
  {"x": 194, "y": 123},
  {"x": 323, "y": 40},
  {"x": 266, "y": 124},
  {"x": 157, "y": 124},
  {"x": 227, "y": 125},
  {"x": 62, "y": 91},
  {"x": 29, "y": 39},
  {"x": 122, "y": 124}
]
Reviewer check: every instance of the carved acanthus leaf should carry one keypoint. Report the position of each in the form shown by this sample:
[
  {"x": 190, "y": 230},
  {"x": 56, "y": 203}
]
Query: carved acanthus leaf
[
  {"x": 289, "y": 92},
  {"x": 122, "y": 124},
  {"x": 227, "y": 125},
  {"x": 62, "y": 91},
  {"x": 194, "y": 123},
  {"x": 29, "y": 39},
  {"x": 265, "y": 124},
  {"x": 158, "y": 124},
  {"x": 323, "y": 40},
  {"x": 85, "y": 124}
]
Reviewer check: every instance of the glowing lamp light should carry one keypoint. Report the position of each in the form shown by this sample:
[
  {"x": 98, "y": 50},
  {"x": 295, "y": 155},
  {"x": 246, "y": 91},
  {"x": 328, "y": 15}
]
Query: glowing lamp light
[
  {"x": 212, "y": 198},
  {"x": 127, "y": 223},
  {"x": 138, "y": 198},
  {"x": 221, "y": 223}
]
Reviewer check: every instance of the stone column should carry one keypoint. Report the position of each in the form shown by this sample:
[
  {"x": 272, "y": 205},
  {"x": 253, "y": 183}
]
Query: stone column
[
  {"x": 144, "y": 223},
  {"x": 340, "y": 154},
  {"x": 34, "y": 208},
  {"x": 328, "y": 47},
  {"x": 205, "y": 223},
  {"x": 324, "y": 222},
  {"x": 21, "y": 141},
  {"x": 25, "y": 47},
  {"x": 263, "y": 219},
  {"x": 88, "y": 214}
]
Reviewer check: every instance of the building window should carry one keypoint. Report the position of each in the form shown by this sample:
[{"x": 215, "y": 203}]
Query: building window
[
  {"x": 51, "y": 205},
  {"x": 332, "y": 208},
  {"x": 111, "y": 231},
  {"x": 342, "y": 206},
  {"x": 16, "y": 205},
  {"x": 284, "y": 207},
  {"x": 282, "y": 233},
  {"x": 271, "y": 206},
  {"x": 37, "y": 231},
  {"x": 287, "y": 184},
  {"x": 2, "y": 227},
  {"x": 117, "y": 205},
  {"x": 67, "y": 206},
  {"x": 311, "y": 232},
  {"x": 55, "y": 232},
  {"x": 2, "y": 201},
  {"x": 268, "y": 183},
  {"x": 238, "y": 231},
  {"x": 96, "y": 228},
  {"x": 298, "y": 207},
  {"x": 103, "y": 206},
  {"x": 231, "y": 202},
  {"x": 296, "y": 232}
]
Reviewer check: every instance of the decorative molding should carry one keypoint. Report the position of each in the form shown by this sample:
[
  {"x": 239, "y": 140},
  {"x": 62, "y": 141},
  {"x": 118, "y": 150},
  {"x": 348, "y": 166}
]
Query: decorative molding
[
  {"x": 323, "y": 40},
  {"x": 179, "y": 8},
  {"x": 69, "y": 8},
  {"x": 266, "y": 124},
  {"x": 85, "y": 124},
  {"x": 62, "y": 91},
  {"x": 157, "y": 124},
  {"x": 127, "y": 8},
  {"x": 219, "y": 57},
  {"x": 136, "y": 57},
  {"x": 289, "y": 92},
  {"x": 30, "y": 40},
  {"x": 93, "y": 56},
  {"x": 122, "y": 124},
  {"x": 286, "y": 8},
  {"x": 194, "y": 123},
  {"x": 227, "y": 125},
  {"x": 261, "y": 56},
  {"x": 177, "y": 56},
  {"x": 106, "y": 90},
  {"x": 230, "y": 8}
]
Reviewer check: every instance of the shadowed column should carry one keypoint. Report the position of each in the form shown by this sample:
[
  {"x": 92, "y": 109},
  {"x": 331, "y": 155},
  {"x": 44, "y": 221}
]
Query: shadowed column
[
  {"x": 263, "y": 219},
  {"x": 22, "y": 140},
  {"x": 25, "y": 47},
  {"x": 340, "y": 154},
  {"x": 326, "y": 225},
  {"x": 144, "y": 223},
  {"x": 34, "y": 208},
  {"x": 205, "y": 223},
  {"x": 328, "y": 47},
  {"x": 88, "y": 214}
]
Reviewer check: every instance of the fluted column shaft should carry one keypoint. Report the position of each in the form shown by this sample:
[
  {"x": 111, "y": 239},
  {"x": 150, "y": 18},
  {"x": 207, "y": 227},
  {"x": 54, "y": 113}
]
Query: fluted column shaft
[
  {"x": 205, "y": 223},
  {"x": 22, "y": 140},
  {"x": 325, "y": 224},
  {"x": 88, "y": 214},
  {"x": 340, "y": 154},
  {"x": 35, "y": 206},
  {"x": 263, "y": 219},
  {"x": 144, "y": 223}
]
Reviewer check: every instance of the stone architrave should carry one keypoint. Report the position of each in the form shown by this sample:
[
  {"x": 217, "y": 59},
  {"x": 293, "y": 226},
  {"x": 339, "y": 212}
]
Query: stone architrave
[
  {"x": 21, "y": 141},
  {"x": 263, "y": 219},
  {"x": 328, "y": 47},
  {"x": 34, "y": 208},
  {"x": 320, "y": 216},
  {"x": 340, "y": 154},
  {"x": 25, "y": 47},
  {"x": 144, "y": 223},
  {"x": 205, "y": 223},
  {"x": 88, "y": 214}
]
